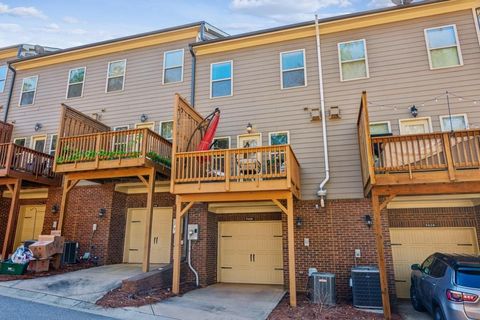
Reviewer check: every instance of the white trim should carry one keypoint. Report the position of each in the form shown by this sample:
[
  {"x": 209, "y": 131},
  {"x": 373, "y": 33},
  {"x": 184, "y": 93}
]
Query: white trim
[
  {"x": 225, "y": 137},
  {"x": 429, "y": 119},
  {"x": 152, "y": 123},
  {"x": 20, "y": 138},
  {"x": 277, "y": 132},
  {"x": 477, "y": 25},
  {"x": 249, "y": 134},
  {"x": 182, "y": 65},
  {"x": 115, "y": 128},
  {"x": 389, "y": 125},
  {"x": 34, "y": 138},
  {"x": 457, "y": 42},
  {"x": 160, "y": 129},
  {"x": 69, "y": 84},
  {"x": 34, "y": 92},
  {"x": 464, "y": 115},
  {"x": 51, "y": 143},
  {"x": 340, "y": 62},
  {"x": 294, "y": 69},
  {"x": 6, "y": 77},
  {"x": 124, "y": 75},
  {"x": 231, "y": 78}
]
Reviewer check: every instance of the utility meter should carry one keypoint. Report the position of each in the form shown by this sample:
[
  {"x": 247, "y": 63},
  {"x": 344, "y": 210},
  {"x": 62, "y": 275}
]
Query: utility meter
[{"x": 192, "y": 232}]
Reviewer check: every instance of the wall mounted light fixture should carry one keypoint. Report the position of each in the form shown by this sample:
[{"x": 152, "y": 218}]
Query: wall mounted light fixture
[
  {"x": 368, "y": 220},
  {"x": 414, "y": 111},
  {"x": 38, "y": 126},
  {"x": 55, "y": 208},
  {"x": 298, "y": 222},
  {"x": 249, "y": 127},
  {"x": 102, "y": 212},
  {"x": 143, "y": 117}
]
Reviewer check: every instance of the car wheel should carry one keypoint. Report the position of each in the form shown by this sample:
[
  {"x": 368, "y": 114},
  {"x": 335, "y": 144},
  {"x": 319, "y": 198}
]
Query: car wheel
[
  {"x": 416, "y": 303},
  {"x": 438, "y": 315}
]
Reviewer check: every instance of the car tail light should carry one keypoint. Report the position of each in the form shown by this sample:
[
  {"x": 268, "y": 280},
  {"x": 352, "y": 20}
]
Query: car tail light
[{"x": 457, "y": 296}]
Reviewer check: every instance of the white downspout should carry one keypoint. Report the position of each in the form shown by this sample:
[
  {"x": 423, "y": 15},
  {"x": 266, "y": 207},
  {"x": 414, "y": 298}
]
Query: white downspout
[{"x": 322, "y": 192}]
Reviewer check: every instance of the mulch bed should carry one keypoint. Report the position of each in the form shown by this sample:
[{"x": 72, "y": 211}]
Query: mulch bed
[
  {"x": 307, "y": 310},
  {"x": 117, "y": 298},
  {"x": 32, "y": 275}
]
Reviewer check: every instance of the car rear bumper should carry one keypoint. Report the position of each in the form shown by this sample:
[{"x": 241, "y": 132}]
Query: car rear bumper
[{"x": 455, "y": 311}]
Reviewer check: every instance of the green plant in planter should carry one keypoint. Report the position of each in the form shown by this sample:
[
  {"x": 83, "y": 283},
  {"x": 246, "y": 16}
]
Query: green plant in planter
[{"x": 155, "y": 157}]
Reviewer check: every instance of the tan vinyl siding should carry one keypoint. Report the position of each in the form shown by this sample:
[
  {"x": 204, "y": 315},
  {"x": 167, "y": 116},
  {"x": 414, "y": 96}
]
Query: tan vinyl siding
[{"x": 143, "y": 91}]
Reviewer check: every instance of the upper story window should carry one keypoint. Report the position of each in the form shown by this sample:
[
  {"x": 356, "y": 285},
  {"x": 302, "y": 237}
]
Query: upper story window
[
  {"x": 353, "y": 60},
  {"x": 221, "y": 143},
  {"x": 173, "y": 66},
  {"x": 76, "y": 79},
  {"x": 166, "y": 130},
  {"x": 443, "y": 47},
  {"x": 382, "y": 128},
  {"x": 454, "y": 122},
  {"x": 477, "y": 12},
  {"x": 53, "y": 144},
  {"x": 293, "y": 69},
  {"x": 279, "y": 138},
  {"x": 3, "y": 77},
  {"x": 116, "y": 75},
  {"x": 221, "y": 79},
  {"x": 20, "y": 141},
  {"x": 29, "y": 89}
]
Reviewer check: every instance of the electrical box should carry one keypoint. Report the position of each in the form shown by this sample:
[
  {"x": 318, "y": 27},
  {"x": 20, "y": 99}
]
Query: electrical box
[
  {"x": 192, "y": 232},
  {"x": 358, "y": 253}
]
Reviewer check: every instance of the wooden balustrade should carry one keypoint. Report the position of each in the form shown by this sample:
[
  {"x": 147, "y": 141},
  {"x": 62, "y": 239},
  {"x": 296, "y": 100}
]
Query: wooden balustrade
[{"x": 6, "y": 130}]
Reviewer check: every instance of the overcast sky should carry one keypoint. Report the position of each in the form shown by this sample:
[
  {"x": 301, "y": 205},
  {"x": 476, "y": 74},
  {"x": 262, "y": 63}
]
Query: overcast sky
[{"x": 66, "y": 23}]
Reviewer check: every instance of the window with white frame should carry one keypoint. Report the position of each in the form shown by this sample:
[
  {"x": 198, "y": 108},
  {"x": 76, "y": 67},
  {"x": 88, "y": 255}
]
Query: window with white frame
[
  {"x": 120, "y": 141},
  {"x": 173, "y": 66},
  {"x": 380, "y": 128},
  {"x": 221, "y": 143},
  {"x": 53, "y": 145},
  {"x": 454, "y": 122},
  {"x": 20, "y": 141},
  {"x": 166, "y": 130},
  {"x": 443, "y": 47},
  {"x": 221, "y": 79},
  {"x": 76, "y": 79},
  {"x": 116, "y": 75},
  {"x": 3, "y": 77},
  {"x": 293, "y": 69},
  {"x": 38, "y": 143},
  {"x": 29, "y": 89},
  {"x": 353, "y": 60},
  {"x": 477, "y": 12},
  {"x": 279, "y": 138},
  {"x": 143, "y": 125}
]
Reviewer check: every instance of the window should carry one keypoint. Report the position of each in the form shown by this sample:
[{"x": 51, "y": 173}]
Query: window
[
  {"x": 120, "y": 141},
  {"x": 20, "y": 141},
  {"x": 438, "y": 269},
  {"x": 468, "y": 277},
  {"x": 426, "y": 265},
  {"x": 76, "y": 78},
  {"x": 279, "y": 138},
  {"x": 443, "y": 48},
  {"x": 221, "y": 143},
  {"x": 166, "y": 130},
  {"x": 29, "y": 89},
  {"x": 382, "y": 128},
  {"x": 293, "y": 69},
  {"x": 453, "y": 123},
  {"x": 38, "y": 143},
  {"x": 116, "y": 75},
  {"x": 415, "y": 125},
  {"x": 148, "y": 125},
  {"x": 476, "y": 13},
  {"x": 353, "y": 60},
  {"x": 173, "y": 66},
  {"x": 53, "y": 145},
  {"x": 221, "y": 79},
  {"x": 3, "y": 77}
]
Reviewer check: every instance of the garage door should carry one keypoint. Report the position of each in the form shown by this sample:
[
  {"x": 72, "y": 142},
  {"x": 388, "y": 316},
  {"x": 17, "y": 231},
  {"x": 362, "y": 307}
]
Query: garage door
[
  {"x": 250, "y": 252},
  {"x": 161, "y": 235},
  {"x": 30, "y": 223},
  {"x": 414, "y": 245}
]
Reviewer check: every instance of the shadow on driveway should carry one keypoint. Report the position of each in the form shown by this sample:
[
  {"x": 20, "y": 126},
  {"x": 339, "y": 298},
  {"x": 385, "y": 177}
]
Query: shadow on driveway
[{"x": 407, "y": 312}]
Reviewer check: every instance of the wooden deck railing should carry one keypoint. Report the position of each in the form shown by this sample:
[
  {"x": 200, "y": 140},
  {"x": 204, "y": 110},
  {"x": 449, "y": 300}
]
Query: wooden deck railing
[
  {"x": 273, "y": 163},
  {"x": 25, "y": 161},
  {"x": 6, "y": 130},
  {"x": 112, "y": 149}
]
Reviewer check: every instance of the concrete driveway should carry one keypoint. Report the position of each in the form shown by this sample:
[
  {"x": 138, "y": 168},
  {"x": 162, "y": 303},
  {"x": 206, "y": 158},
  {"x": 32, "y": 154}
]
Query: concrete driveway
[
  {"x": 407, "y": 312},
  {"x": 87, "y": 285}
]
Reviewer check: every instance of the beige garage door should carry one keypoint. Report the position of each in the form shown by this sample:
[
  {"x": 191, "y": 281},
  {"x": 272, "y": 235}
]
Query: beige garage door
[
  {"x": 250, "y": 252},
  {"x": 161, "y": 235},
  {"x": 30, "y": 223},
  {"x": 414, "y": 245}
]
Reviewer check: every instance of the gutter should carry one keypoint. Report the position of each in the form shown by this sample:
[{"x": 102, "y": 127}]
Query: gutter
[
  {"x": 322, "y": 192},
  {"x": 10, "y": 91}
]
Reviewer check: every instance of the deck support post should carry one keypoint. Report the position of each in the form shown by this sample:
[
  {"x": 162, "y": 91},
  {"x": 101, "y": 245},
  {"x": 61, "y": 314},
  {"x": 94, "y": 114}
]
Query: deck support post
[
  {"x": 12, "y": 215},
  {"x": 68, "y": 185},
  {"x": 377, "y": 226},
  {"x": 150, "y": 184}
]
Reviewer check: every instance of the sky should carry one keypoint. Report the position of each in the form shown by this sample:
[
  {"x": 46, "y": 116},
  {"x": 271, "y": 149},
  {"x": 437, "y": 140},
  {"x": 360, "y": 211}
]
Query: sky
[{"x": 67, "y": 23}]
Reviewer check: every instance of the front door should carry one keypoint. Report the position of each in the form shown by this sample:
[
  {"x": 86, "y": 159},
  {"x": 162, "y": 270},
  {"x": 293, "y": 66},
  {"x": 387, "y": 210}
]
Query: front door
[
  {"x": 415, "y": 126},
  {"x": 30, "y": 223},
  {"x": 38, "y": 143}
]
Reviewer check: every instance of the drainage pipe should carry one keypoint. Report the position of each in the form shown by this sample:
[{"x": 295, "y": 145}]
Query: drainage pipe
[
  {"x": 189, "y": 260},
  {"x": 322, "y": 192},
  {"x": 10, "y": 92}
]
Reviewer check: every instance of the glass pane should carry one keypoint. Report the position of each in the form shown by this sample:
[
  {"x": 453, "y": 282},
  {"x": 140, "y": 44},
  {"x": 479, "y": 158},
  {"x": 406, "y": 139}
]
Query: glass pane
[
  {"x": 53, "y": 145},
  {"x": 27, "y": 98},
  {"x": 468, "y": 277},
  {"x": 2, "y": 85},
  {"x": 221, "y": 71},
  {"x": 3, "y": 72},
  {"x": 115, "y": 84},
  {"x": 295, "y": 78},
  {"x": 75, "y": 90},
  {"x": 173, "y": 59},
  {"x": 20, "y": 142},
  {"x": 116, "y": 69},
  {"x": 441, "y": 37},
  {"x": 221, "y": 88},
  {"x": 76, "y": 75},
  {"x": 39, "y": 145},
  {"x": 173, "y": 75},
  {"x": 166, "y": 130},
  {"x": 352, "y": 51},
  {"x": 478, "y": 17},
  {"x": 29, "y": 84},
  {"x": 220, "y": 144},
  {"x": 457, "y": 123},
  {"x": 354, "y": 70},
  {"x": 278, "y": 138},
  {"x": 446, "y": 57},
  {"x": 379, "y": 128},
  {"x": 292, "y": 60}
]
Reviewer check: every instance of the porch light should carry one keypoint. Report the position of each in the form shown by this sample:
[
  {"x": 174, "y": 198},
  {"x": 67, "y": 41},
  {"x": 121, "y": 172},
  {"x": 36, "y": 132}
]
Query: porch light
[
  {"x": 143, "y": 117},
  {"x": 102, "y": 212},
  {"x": 249, "y": 127},
  {"x": 38, "y": 126},
  {"x": 299, "y": 222},
  {"x": 368, "y": 220},
  {"x": 55, "y": 208},
  {"x": 414, "y": 111}
]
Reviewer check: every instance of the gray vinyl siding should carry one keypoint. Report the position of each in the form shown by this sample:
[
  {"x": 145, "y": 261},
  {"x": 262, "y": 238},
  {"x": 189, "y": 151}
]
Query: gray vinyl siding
[
  {"x": 399, "y": 77},
  {"x": 143, "y": 91}
]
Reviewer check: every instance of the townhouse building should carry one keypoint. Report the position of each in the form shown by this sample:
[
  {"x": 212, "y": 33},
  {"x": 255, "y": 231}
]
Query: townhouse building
[{"x": 390, "y": 96}]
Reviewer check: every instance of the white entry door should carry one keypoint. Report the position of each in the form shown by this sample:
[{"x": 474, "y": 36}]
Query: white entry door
[{"x": 415, "y": 126}]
